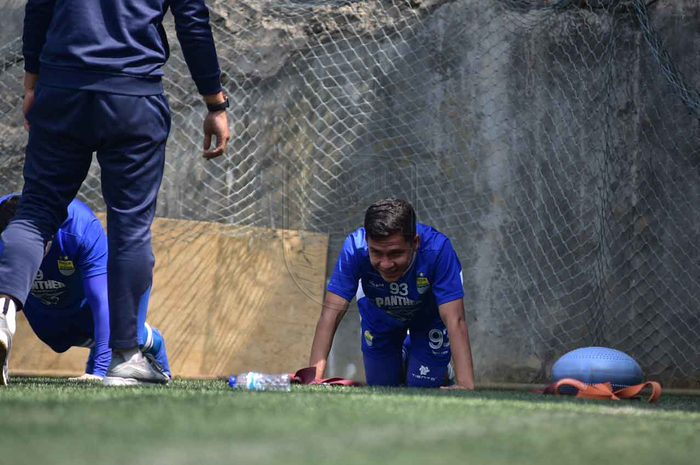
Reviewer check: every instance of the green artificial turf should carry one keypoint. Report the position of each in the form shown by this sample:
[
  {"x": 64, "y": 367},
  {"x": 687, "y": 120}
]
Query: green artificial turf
[{"x": 53, "y": 421}]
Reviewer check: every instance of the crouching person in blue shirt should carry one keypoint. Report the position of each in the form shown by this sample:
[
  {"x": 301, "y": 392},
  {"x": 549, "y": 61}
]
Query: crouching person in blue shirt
[
  {"x": 408, "y": 283},
  {"x": 67, "y": 305}
]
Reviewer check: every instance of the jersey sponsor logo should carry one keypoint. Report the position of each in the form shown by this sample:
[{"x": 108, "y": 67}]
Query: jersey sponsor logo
[
  {"x": 424, "y": 370},
  {"x": 375, "y": 285},
  {"x": 394, "y": 301},
  {"x": 398, "y": 304},
  {"x": 398, "y": 298},
  {"x": 368, "y": 338},
  {"x": 422, "y": 283},
  {"x": 65, "y": 265},
  {"x": 403, "y": 314},
  {"x": 48, "y": 291}
]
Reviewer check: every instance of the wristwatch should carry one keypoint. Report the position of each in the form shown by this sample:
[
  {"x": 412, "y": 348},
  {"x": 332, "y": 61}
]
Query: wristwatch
[{"x": 219, "y": 106}]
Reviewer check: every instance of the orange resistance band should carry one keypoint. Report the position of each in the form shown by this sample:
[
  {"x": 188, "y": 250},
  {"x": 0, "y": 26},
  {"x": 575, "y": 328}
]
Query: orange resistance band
[{"x": 604, "y": 391}]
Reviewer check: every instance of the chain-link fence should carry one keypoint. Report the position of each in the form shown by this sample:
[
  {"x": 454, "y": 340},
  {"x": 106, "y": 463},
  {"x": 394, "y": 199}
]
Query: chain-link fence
[{"x": 554, "y": 141}]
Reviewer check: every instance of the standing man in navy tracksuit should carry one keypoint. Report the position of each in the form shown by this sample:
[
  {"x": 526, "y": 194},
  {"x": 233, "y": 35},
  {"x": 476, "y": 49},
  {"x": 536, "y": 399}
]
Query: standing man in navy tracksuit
[{"x": 93, "y": 84}]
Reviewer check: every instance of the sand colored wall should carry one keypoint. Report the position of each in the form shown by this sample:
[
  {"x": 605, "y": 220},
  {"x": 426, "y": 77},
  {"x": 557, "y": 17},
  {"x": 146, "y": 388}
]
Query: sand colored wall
[{"x": 224, "y": 299}]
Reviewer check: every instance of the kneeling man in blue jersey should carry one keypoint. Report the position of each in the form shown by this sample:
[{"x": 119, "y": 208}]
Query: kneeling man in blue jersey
[
  {"x": 408, "y": 283},
  {"x": 67, "y": 305}
]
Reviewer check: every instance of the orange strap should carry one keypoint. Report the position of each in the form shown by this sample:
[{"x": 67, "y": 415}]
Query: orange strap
[
  {"x": 632, "y": 391},
  {"x": 604, "y": 390}
]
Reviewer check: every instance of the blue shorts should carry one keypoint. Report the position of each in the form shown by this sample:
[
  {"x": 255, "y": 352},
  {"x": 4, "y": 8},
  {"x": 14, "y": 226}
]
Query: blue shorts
[
  {"x": 60, "y": 330},
  {"x": 416, "y": 355}
]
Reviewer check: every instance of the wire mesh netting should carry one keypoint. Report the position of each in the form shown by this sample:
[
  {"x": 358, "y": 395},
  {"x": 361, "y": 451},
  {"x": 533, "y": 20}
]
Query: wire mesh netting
[{"x": 554, "y": 141}]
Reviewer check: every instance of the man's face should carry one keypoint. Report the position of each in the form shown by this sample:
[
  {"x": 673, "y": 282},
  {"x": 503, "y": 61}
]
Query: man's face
[{"x": 391, "y": 256}]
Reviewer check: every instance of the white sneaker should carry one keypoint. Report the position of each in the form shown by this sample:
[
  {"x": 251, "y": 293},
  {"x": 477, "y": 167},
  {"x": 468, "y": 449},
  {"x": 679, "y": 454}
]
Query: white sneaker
[
  {"x": 7, "y": 329},
  {"x": 143, "y": 371},
  {"x": 5, "y": 346}
]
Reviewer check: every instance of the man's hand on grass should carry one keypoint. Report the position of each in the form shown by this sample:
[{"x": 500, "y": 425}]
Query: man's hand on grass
[
  {"x": 86, "y": 377},
  {"x": 457, "y": 386}
]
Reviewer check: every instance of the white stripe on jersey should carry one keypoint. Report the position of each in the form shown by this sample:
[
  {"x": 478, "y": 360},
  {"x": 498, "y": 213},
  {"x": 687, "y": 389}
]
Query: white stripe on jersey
[{"x": 360, "y": 292}]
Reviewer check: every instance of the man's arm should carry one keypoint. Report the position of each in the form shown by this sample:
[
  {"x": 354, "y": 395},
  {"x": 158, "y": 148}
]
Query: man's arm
[
  {"x": 452, "y": 314},
  {"x": 96, "y": 294},
  {"x": 91, "y": 255},
  {"x": 37, "y": 18},
  {"x": 333, "y": 311},
  {"x": 197, "y": 41}
]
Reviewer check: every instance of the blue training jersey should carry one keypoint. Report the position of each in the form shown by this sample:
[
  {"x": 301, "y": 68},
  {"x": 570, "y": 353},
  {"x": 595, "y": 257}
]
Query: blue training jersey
[
  {"x": 434, "y": 278},
  {"x": 79, "y": 250}
]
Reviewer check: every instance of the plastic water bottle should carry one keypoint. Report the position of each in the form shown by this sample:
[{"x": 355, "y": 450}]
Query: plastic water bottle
[{"x": 260, "y": 381}]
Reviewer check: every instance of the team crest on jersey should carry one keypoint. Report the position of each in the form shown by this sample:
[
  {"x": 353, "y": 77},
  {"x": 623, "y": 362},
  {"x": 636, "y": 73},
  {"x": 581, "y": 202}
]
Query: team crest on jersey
[
  {"x": 422, "y": 283},
  {"x": 368, "y": 338},
  {"x": 65, "y": 265}
]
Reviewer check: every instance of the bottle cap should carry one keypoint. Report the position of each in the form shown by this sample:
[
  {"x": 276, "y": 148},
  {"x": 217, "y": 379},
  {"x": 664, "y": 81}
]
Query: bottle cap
[{"x": 232, "y": 381}]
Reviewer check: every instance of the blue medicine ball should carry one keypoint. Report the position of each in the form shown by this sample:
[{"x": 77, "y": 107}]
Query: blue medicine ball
[{"x": 594, "y": 365}]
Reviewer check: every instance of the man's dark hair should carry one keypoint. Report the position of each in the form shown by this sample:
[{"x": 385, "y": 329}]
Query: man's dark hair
[
  {"x": 388, "y": 217},
  {"x": 8, "y": 209}
]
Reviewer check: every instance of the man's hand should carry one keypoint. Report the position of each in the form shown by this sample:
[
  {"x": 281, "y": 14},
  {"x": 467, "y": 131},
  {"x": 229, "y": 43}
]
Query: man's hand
[
  {"x": 458, "y": 386},
  {"x": 215, "y": 124},
  {"x": 26, "y": 105},
  {"x": 86, "y": 377},
  {"x": 30, "y": 80}
]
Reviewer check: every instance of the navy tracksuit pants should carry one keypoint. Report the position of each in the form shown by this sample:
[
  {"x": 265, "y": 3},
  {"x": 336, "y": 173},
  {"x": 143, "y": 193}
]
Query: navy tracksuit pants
[{"x": 129, "y": 135}]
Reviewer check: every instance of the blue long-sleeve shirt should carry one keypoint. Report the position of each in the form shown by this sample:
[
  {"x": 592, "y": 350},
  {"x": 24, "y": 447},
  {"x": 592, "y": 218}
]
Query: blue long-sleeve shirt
[
  {"x": 116, "y": 46},
  {"x": 95, "y": 289}
]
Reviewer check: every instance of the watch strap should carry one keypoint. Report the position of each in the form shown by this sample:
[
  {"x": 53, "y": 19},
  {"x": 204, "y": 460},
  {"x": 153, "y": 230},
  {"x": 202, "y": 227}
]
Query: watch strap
[{"x": 219, "y": 106}]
